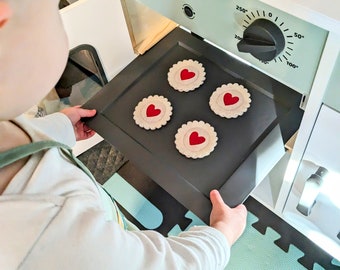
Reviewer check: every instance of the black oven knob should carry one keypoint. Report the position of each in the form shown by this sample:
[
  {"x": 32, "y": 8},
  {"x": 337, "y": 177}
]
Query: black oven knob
[{"x": 263, "y": 39}]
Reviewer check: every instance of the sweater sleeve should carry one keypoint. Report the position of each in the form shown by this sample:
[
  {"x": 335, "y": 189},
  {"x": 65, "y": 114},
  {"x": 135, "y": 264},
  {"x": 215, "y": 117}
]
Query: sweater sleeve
[
  {"x": 200, "y": 247},
  {"x": 56, "y": 126},
  {"x": 80, "y": 238}
]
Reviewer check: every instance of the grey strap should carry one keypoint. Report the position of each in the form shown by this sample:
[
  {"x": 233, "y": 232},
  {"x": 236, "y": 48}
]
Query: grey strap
[{"x": 26, "y": 150}]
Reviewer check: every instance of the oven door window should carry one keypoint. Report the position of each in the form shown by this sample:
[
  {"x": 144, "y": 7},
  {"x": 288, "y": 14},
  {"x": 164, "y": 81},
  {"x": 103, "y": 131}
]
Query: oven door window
[{"x": 82, "y": 78}]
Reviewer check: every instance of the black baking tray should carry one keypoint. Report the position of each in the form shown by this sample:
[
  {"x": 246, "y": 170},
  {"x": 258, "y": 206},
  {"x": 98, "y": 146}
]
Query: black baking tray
[{"x": 230, "y": 167}]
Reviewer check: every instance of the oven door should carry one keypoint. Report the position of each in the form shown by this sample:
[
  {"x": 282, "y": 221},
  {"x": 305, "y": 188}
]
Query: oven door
[
  {"x": 248, "y": 146},
  {"x": 313, "y": 206}
]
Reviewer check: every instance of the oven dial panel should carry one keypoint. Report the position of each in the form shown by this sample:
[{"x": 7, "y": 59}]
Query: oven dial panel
[
  {"x": 263, "y": 39},
  {"x": 279, "y": 44},
  {"x": 299, "y": 52}
]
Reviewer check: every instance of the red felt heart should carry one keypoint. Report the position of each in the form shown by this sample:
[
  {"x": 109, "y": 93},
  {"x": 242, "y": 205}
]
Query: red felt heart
[
  {"x": 186, "y": 74},
  {"x": 151, "y": 111},
  {"x": 229, "y": 99},
  {"x": 195, "y": 139}
]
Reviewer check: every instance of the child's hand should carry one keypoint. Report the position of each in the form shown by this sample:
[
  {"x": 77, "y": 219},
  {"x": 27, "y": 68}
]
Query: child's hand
[
  {"x": 75, "y": 114},
  {"x": 230, "y": 221}
]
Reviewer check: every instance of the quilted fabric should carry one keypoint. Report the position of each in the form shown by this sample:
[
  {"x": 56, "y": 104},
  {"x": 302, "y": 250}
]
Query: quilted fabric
[{"x": 103, "y": 160}]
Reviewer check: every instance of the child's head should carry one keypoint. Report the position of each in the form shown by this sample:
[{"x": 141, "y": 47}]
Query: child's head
[{"x": 33, "y": 53}]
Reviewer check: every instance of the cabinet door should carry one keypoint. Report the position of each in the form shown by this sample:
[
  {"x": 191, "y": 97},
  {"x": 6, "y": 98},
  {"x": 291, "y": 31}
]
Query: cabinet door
[{"x": 322, "y": 222}]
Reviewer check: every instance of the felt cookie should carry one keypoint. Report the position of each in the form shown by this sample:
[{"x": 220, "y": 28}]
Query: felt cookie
[
  {"x": 152, "y": 112},
  {"x": 186, "y": 75},
  {"x": 230, "y": 101},
  {"x": 195, "y": 139}
]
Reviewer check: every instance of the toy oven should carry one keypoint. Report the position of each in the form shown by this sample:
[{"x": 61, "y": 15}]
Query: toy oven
[{"x": 248, "y": 146}]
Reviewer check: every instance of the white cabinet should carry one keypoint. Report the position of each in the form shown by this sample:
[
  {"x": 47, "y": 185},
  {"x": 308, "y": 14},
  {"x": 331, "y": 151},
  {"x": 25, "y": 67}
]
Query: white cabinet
[
  {"x": 322, "y": 224},
  {"x": 100, "y": 23}
]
